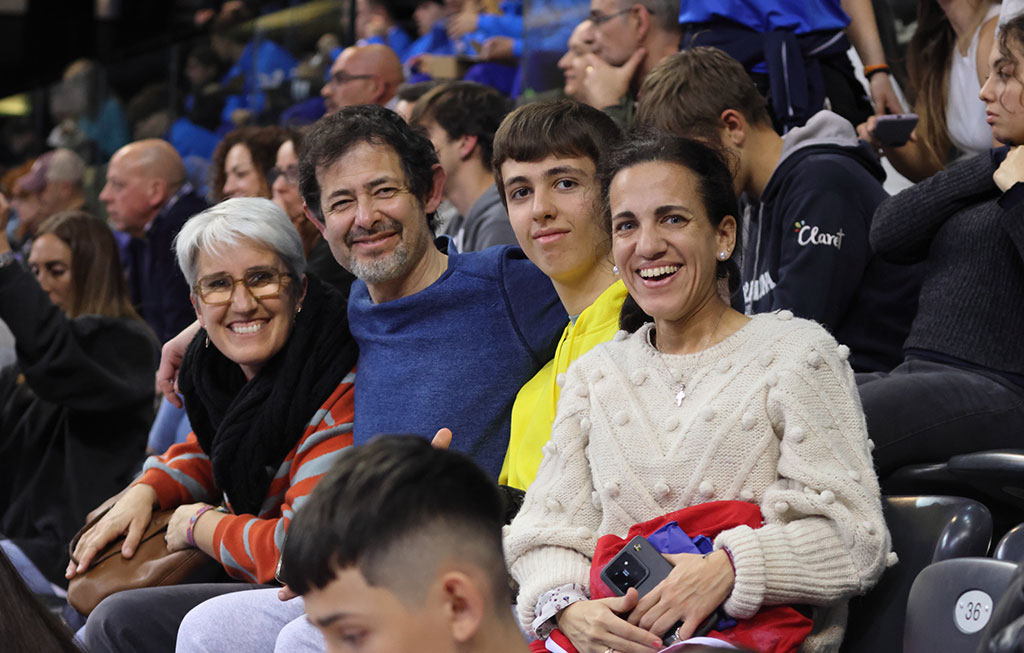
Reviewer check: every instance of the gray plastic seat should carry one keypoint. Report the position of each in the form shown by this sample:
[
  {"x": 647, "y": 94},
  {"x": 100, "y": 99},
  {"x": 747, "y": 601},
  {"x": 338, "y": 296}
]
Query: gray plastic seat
[
  {"x": 1011, "y": 545},
  {"x": 994, "y": 478},
  {"x": 1005, "y": 633},
  {"x": 952, "y": 602},
  {"x": 924, "y": 529},
  {"x": 999, "y": 473}
]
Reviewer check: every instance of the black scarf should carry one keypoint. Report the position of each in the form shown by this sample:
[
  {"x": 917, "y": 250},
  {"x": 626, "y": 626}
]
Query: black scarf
[{"x": 247, "y": 428}]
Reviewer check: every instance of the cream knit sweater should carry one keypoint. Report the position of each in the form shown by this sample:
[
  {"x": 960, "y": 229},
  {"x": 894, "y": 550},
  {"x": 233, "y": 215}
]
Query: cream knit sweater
[{"x": 771, "y": 416}]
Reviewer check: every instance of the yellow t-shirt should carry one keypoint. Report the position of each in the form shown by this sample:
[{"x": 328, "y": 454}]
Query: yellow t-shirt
[{"x": 534, "y": 409}]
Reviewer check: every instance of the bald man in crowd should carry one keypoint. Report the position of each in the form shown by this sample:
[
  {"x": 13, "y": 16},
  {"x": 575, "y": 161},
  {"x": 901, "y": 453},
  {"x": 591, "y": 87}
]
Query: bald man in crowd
[
  {"x": 148, "y": 197},
  {"x": 362, "y": 74}
]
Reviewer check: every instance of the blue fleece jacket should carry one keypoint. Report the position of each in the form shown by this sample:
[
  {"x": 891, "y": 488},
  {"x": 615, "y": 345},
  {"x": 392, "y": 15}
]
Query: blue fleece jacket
[{"x": 456, "y": 353}]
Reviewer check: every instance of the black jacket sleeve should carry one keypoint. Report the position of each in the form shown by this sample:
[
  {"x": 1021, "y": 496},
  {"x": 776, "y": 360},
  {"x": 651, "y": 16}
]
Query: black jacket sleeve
[{"x": 91, "y": 363}]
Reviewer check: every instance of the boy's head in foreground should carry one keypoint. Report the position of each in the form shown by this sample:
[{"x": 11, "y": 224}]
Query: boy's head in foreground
[{"x": 399, "y": 549}]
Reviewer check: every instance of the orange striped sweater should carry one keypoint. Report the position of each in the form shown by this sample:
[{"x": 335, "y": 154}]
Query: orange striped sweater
[{"x": 249, "y": 546}]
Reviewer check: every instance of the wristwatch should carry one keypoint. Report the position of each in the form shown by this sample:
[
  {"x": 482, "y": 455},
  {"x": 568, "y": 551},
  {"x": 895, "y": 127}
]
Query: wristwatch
[{"x": 7, "y": 258}]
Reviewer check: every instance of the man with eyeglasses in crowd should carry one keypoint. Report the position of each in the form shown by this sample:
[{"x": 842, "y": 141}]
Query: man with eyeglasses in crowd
[
  {"x": 629, "y": 41},
  {"x": 284, "y": 185},
  {"x": 362, "y": 74}
]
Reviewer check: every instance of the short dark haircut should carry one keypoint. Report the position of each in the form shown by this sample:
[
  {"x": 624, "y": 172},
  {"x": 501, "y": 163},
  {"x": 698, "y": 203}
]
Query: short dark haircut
[
  {"x": 714, "y": 185},
  {"x": 563, "y": 128},
  {"x": 393, "y": 500},
  {"x": 413, "y": 91},
  {"x": 464, "y": 109},
  {"x": 297, "y": 135},
  {"x": 665, "y": 13},
  {"x": 687, "y": 92},
  {"x": 331, "y": 138}
]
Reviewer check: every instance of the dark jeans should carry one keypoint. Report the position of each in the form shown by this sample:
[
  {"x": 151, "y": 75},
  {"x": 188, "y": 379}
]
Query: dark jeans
[
  {"x": 927, "y": 412},
  {"x": 145, "y": 620}
]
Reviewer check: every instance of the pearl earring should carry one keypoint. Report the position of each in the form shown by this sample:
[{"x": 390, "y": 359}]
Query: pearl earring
[
  {"x": 722, "y": 255},
  {"x": 615, "y": 269}
]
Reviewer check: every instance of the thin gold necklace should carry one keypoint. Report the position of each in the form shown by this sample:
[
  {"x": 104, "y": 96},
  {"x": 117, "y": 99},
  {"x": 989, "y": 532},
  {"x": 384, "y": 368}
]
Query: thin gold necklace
[{"x": 682, "y": 385}]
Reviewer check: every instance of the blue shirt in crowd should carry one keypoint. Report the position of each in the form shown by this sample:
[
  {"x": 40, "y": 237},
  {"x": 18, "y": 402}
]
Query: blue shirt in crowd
[{"x": 456, "y": 353}]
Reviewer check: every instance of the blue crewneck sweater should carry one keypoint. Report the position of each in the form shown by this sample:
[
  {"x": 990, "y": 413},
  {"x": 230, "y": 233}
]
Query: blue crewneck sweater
[{"x": 456, "y": 353}]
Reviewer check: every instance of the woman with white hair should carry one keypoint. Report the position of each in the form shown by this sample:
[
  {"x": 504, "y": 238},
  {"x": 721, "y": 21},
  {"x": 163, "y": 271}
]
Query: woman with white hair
[{"x": 268, "y": 390}]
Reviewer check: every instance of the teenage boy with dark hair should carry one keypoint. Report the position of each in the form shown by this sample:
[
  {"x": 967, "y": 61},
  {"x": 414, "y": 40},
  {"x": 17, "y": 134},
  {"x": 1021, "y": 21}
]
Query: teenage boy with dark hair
[
  {"x": 546, "y": 156},
  {"x": 809, "y": 199},
  {"x": 460, "y": 118},
  {"x": 399, "y": 549}
]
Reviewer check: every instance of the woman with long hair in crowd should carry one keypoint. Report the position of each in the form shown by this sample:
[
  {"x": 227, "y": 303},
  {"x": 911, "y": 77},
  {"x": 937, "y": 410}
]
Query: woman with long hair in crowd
[
  {"x": 701, "y": 404},
  {"x": 947, "y": 61},
  {"x": 960, "y": 387},
  {"x": 78, "y": 402}
]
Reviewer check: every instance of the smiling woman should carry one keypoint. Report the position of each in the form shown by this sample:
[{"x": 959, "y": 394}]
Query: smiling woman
[
  {"x": 242, "y": 162},
  {"x": 703, "y": 405},
  {"x": 267, "y": 384}
]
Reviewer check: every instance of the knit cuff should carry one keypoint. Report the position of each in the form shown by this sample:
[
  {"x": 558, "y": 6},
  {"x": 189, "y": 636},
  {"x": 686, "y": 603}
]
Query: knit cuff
[
  {"x": 1013, "y": 197},
  {"x": 542, "y": 570},
  {"x": 749, "y": 587}
]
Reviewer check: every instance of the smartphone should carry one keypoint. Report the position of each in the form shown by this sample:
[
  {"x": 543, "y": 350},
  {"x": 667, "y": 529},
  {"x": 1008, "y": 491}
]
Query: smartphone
[
  {"x": 894, "y": 130},
  {"x": 637, "y": 565},
  {"x": 640, "y": 565}
]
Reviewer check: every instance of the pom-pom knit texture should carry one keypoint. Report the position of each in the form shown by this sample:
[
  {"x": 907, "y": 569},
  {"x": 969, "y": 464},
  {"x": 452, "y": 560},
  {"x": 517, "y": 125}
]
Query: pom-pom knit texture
[{"x": 771, "y": 416}]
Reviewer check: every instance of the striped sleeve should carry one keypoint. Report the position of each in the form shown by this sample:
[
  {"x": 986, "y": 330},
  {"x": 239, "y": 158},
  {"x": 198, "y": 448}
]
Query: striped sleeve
[
  {"x": 249, "y": 545},
  {"x": 183, "y": 474}
]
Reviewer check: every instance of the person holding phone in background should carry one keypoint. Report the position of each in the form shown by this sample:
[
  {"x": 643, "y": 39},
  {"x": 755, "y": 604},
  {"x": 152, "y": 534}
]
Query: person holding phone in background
[
  {"x": 960, "y": 387},
  {"x": 947, "y": 61}
]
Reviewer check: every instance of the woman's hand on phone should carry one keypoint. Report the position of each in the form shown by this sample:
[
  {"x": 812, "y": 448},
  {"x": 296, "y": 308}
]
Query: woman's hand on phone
[
  {"x": 697, "y": 585},
  {"x": 595, "y": 626}
]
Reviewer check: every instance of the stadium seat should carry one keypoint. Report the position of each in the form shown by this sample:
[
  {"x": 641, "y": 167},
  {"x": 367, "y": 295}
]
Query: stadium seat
[
  {"x": 924, "y": 529},
  {"x": 952, "y": 601},
  {"x": 1011, "y": 545},
  {"x": 998, "y": 473},
  {"x": 1005, "y": 632}
]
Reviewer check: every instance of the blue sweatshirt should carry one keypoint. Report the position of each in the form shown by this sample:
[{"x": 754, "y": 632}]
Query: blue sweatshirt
[
  {"x": 768, "y": 15},
  {"x": 807, "y": 246},
  {"x": 456, "y": 353}
]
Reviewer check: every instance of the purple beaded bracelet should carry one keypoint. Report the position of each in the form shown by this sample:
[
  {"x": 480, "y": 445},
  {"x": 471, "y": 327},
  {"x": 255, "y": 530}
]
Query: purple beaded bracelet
[{"x": 189, "y": 535}]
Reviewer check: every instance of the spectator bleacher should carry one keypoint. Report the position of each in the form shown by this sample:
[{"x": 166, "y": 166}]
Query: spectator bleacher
[{"x": 208, "y": 76}]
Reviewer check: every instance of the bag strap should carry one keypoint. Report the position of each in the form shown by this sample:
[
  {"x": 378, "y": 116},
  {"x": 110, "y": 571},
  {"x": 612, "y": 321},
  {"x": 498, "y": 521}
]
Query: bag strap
[{"x": 82, "y": 531}]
